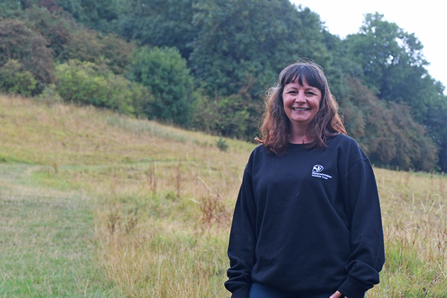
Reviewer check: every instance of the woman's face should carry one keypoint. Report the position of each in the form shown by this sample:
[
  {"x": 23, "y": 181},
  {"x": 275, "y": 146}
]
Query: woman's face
[{"x": 301, "y": 103}]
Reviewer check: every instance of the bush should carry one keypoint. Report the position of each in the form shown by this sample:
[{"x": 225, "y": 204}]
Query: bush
[
  {"x": 49, "y": 95},
  {"x": 165, "y": 73},
  {"x": 15, "y": 79},
  {"x": 89, "y": 84},
  {"x": 221, "y": 144}
]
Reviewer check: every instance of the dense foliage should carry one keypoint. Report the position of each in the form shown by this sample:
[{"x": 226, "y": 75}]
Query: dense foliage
[
  {"x": 18, "y": 42},
  {"x": 164, "y": 73},
  {"x": 244, "y": 45},
  {"x": 90, "y": 84},
  {"x": 160, "y": 23},
  {"x": 206, "y": 64},
  {"x": 386, "y": 131},
  {"x": 15, "y": 79}
]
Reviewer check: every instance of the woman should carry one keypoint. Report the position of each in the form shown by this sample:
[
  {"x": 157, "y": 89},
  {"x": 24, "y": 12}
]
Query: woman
[{"x": 307, "y": 221}]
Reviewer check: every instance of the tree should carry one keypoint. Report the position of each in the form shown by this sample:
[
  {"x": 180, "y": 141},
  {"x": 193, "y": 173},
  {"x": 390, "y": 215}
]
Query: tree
[
  {"x": 55, "y": 28},
  {"x": 50, "y": 5},
  {"x": 167, "y": 77},
  {"x": 341, "y": 65},
  {"x": 101, "y": 15},
  {"x": 386, "y": 131},
  {"x": 88, "y": 45},
  {"x": 8, "y": 8},
  {"x": 393, "y": 64},
  {"x": 437, "y": 128},
  {"x": 243, "y": 44},
  {"x": 18, "y": 42},
  {"x": 84, "y": 45},
  {"x": 241, "y": 47},
  {"x": 116, "y": 52},
  {"x": 161, "y": 23}
]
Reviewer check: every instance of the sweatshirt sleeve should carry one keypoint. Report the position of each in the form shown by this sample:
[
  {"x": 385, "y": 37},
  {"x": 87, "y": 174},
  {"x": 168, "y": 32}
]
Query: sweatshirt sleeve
[
  {"x": 367, "y": 245},
  {"x": 241, "y": 249}
]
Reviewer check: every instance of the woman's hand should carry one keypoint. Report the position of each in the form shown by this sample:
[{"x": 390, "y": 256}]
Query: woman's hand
[{"x": 337, "y": 295}]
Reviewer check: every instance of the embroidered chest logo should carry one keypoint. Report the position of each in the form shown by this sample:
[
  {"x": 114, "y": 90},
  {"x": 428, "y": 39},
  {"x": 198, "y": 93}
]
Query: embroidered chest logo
[{"x": 317, "y": 172}]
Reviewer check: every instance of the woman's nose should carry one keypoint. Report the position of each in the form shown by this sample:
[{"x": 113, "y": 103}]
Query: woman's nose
[{"x": 300, "y": 97}]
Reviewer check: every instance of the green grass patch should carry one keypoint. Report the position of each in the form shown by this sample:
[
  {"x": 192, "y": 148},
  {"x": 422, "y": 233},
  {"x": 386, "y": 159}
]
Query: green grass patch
[
  {"x": 46, "y": 246},
  {"x": 11, "y": 159}
]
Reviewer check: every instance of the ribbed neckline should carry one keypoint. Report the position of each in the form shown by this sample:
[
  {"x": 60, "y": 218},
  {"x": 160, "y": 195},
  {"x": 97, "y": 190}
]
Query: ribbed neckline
[
  {"x": 303, "y": 147},
  {"x": 297, "y": 147}
]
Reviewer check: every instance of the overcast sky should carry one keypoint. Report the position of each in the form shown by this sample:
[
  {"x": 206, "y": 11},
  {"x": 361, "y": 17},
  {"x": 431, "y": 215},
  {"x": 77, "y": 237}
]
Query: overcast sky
[{"x": 426, "y": 19}]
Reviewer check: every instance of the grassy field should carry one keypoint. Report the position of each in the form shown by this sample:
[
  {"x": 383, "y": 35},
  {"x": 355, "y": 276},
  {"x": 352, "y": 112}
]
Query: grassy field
[{"x": 98, "y": 205}]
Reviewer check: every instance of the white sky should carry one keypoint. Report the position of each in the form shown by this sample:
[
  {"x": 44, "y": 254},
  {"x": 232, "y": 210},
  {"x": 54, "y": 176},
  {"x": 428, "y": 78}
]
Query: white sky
[{"x": 426, "y": 19}]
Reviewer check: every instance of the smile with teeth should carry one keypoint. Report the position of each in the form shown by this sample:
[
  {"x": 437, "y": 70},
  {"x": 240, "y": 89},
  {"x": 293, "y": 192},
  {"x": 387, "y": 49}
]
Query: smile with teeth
[{"x": 300, "y": 109}]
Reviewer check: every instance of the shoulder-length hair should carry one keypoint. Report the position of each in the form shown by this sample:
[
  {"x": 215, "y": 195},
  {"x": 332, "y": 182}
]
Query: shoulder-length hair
[{"x": 326, "y": 124}]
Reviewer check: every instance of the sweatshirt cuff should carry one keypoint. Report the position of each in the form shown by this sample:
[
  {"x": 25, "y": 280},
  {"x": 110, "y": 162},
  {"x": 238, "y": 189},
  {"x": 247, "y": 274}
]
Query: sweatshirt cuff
[
  {"x": 242, "y": 293},
  {"x": 352, "y": 289}
]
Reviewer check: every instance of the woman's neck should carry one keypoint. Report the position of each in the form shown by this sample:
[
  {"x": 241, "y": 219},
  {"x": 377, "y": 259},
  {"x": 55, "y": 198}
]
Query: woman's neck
[
  {"x": 301, "y": 140},
  {"x": 299, "y": 136}
]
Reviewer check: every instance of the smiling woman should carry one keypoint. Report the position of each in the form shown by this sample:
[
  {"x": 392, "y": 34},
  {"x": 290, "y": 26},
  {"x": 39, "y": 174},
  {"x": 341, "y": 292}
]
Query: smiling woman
[
  {"x": 301, "y": 104},
  {"x": 307, "y": 221},
  {"x": 300, "y": 109}
]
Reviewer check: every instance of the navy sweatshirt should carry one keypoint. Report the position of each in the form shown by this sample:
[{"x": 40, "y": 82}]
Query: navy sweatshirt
[{"x": 307, "y": 222}]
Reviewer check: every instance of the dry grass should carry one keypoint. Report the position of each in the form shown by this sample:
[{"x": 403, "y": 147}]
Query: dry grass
[
  {"x": 162, "y": 200},
  {"x": 415, "y": 217},
  {"x": 69, "y": 135}
]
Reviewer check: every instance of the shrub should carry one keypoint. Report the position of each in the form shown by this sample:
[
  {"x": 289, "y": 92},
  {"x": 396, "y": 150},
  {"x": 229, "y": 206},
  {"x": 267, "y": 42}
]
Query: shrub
[
  {"x": 221, "y": 144},
  {"x": 89, "y": 84},
  {"x": 165, "y": 73},
  {"x": 15, "y": 79},
  {"x": 49, "y": 95}
]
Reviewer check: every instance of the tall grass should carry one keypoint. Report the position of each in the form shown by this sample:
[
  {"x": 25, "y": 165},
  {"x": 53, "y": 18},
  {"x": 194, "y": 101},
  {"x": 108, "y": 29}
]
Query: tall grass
[
  {"x": 162, "y": 199},
  {"x": 415, "y": 228}
]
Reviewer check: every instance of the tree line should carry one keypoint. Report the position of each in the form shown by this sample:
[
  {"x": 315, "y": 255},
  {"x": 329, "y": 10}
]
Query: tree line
[{"x": 206, "y": 64}]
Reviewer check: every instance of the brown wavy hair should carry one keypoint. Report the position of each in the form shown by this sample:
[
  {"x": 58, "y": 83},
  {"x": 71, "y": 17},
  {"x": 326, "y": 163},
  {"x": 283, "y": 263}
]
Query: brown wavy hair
[{"x": 326, "y": 124}]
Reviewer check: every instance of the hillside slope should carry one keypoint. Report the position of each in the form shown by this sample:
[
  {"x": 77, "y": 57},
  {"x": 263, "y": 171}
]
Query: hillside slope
[{"x": 135, "y": 208}]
